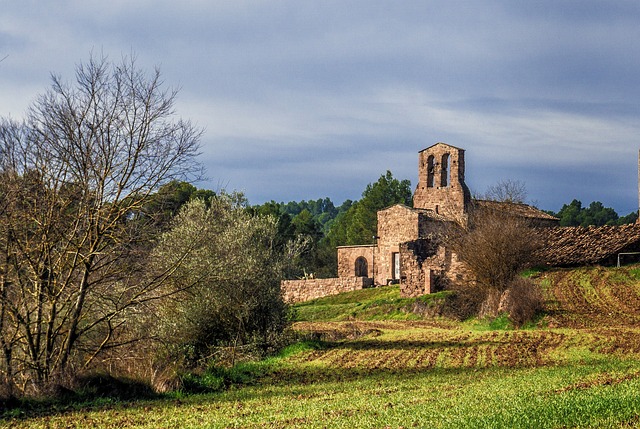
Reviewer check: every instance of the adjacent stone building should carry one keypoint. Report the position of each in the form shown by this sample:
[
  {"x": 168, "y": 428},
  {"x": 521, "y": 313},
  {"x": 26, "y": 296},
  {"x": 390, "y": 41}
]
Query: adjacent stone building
[{"x": 409, "y": 249}]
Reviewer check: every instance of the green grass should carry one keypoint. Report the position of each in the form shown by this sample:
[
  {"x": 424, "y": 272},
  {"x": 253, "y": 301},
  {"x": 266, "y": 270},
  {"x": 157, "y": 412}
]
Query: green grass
[
  {"x": 500, "y": 323},
  {"x": 327, "y": 388},
  {"x": 635, "y": 273},
  {"x": 533, "y": 272},
  {"x": 383, "y": 303},
  {"x": 380, "y": 364}
]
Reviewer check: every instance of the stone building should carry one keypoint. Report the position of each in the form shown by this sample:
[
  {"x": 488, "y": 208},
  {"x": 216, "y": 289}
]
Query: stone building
[{"x": 407, "y": 250}]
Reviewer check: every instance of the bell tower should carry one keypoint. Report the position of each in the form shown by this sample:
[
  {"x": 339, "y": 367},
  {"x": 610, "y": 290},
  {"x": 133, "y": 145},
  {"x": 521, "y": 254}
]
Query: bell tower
[{"x": 441, "y": 187}]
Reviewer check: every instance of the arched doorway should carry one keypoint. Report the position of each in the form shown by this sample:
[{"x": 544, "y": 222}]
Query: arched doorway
[{"x": 362, "y": 269}]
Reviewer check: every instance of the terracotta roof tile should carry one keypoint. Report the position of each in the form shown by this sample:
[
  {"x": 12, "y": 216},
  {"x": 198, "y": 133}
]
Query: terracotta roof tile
[
  {"x": 519, "y": 209},
  {"x": 566, "y": 246}
]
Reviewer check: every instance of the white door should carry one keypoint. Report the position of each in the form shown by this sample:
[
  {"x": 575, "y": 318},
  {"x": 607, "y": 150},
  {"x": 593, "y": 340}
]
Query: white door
[{"x": 396, "y": 266}]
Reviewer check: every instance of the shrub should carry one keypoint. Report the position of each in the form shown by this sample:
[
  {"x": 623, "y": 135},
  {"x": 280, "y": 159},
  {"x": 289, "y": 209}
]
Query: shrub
[
  {"x": 229, "y": 296},
  {"x": 496, "y": 245},
  {"x": 521, "y": 301},
  {"x": 464, "y": 302}
]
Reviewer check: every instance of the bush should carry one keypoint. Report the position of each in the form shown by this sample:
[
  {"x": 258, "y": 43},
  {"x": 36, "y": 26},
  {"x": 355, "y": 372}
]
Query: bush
[
  {"x": 517, "y": 305},
  {"x": 521, "y": 301},
  {"x": 464, "y": 301},
  {"x": 228, "y": 295},
  {"x": 496, "y": 245}
]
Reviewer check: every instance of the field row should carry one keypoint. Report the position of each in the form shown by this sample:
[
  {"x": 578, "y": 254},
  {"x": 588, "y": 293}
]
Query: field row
[
  {"x": 413, "y": 346},
  {"x": 592, "y": 297}
]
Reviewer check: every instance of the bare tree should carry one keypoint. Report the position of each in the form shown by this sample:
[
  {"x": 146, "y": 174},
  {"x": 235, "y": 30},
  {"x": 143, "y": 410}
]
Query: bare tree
[
  {"x": 77, "y": 171},
  {"x": 496, "y": 246},
  {"x": 509, "y": 191}
]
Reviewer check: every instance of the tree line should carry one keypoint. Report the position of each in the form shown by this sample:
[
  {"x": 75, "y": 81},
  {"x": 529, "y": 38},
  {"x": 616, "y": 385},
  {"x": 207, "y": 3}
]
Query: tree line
[
  {"x": 355, "y": 222},
  {"x": 327, "y": 226},
  {"x": 574, "y": 214}
]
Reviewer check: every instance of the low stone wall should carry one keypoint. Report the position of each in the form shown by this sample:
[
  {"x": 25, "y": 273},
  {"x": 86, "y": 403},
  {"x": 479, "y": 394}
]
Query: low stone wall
[{"x": 304, "y": 290}]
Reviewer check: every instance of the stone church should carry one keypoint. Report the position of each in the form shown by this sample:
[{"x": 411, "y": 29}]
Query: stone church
[{"x": 406, "y": 250}]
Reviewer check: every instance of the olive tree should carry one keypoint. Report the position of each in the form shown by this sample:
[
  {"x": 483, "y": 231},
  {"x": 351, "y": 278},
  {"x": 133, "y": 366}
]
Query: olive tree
[
  {"x": 230, "y": 280},
  {"x": 74, "y": 174}
]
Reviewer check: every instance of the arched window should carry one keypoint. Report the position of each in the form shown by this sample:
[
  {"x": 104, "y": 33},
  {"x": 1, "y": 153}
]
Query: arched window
[
  {"x": 361, "y": 267},
  {"x": 430, "y": 172},
  {"x": 444, "y": 171}
]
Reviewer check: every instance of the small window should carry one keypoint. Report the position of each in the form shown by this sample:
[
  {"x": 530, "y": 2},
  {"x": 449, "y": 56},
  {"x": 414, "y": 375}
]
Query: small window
[
  {"x": 444, "y": 171},
  {"x": 362, "y": 269}
]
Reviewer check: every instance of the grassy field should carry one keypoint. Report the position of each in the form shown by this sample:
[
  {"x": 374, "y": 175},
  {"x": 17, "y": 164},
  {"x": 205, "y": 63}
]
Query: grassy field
[{"x": 374, "y": 360}]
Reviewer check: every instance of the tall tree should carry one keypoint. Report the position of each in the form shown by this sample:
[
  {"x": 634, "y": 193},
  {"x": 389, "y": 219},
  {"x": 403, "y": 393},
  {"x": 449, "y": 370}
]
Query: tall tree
[
  {"x": 569, "y": 214},
  {"x": 164, "y": 204},
  {"x": 359, "y": 224},
  {"x": 88, "y": 155},
  {"x": 574, "y": 214}
]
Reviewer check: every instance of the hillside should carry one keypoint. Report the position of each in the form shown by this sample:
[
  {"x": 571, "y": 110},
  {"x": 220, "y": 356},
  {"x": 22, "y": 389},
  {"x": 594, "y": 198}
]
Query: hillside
[
  {"x": 593, "y": 297},
  {"x": 372, "y": 359},
  {"x": 597, "y": 309}
]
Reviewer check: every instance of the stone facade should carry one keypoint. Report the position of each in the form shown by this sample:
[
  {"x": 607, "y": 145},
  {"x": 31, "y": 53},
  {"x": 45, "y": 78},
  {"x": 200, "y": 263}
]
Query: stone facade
[
  {"x": 356, "y": 261},
  {"x": 441, "y": 187},
  {"x": 400, "y": 224},
  {"x": 409, "y": 248}
]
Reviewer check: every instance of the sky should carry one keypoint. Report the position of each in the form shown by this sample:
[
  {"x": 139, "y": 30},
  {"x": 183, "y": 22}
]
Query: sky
[{"x": 301, "y": 100}]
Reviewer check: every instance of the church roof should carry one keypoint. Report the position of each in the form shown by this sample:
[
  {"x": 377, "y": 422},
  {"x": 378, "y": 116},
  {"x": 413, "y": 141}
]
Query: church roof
[
  {"x": 572, "y": 246},
  {"x": 441, "y": 143},
  {"x": 518, "y": 209}
]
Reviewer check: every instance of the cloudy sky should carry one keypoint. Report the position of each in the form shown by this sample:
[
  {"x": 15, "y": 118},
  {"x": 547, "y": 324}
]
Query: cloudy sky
[{"x": 306, "y": 99}]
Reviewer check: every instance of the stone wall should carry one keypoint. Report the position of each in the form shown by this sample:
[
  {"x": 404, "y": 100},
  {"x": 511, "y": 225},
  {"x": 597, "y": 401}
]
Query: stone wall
[
  {"x": 304, "y": 290},
  {"x": 416, "y": 279},
  {"x": 396, "y": 225},
  {"x": 424, "y": 263},
  {"x": 428, "y": 266}
]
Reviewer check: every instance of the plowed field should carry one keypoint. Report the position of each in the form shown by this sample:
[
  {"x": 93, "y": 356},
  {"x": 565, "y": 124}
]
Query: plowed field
[
  {"x": 593, "y": 297},
  {"x": 594, "y": 309},
  {"x": 579, "y": 367}
]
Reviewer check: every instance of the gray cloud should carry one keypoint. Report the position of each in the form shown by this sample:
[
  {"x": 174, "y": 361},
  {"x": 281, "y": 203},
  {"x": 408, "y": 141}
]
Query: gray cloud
[{"x": 305, "y": 99}]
